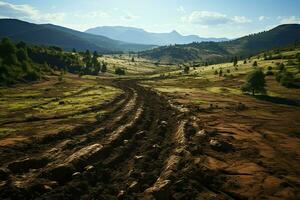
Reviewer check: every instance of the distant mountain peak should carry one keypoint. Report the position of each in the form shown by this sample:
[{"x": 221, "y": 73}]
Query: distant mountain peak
[{"x": 138, "y": 35}]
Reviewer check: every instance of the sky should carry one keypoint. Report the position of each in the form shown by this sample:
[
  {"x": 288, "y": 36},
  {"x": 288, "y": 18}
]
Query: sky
[{"x": 206, "y": 18}]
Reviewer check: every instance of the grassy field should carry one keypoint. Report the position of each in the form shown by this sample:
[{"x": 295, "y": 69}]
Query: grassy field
[
  {"x": 139, "y": 66},
  {"x": 36, "y": 109}
]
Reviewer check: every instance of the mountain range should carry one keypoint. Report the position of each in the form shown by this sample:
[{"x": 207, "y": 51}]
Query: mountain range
[
  {"x": 140, "y": 36},
  {"x": 279, "y": 36},
  {"x": 52, "y": 35}
]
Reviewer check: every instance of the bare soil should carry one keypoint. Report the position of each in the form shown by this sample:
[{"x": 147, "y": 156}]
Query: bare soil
[{"x": 144, "y": 147}]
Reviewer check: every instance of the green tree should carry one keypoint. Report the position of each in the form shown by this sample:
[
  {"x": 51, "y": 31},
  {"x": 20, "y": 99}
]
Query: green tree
[
  {"x": 104, "y": 67},
  {"x": 186, "y": 69},
  {"x": 8, "y": 52},
  {"x": 22, "y": 54},
  {"x": 255, "y": 82},
  {"x": 255, "y": 64},
  {"x": 220, "y": 72},
  {"x": 235, "y": 61}
]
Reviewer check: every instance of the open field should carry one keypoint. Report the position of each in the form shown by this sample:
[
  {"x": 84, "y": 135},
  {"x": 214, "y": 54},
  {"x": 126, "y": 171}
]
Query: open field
[
  {"x": 139, "y": 66},
  {"x": 155, "y": 134}
]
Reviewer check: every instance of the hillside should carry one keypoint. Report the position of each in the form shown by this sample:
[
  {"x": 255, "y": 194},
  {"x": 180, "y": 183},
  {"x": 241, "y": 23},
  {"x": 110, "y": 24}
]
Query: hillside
[
  {"x": 220, "y": 51},
  {"x": 136, "y": 35},
  {"x": 51, "y": 35}
]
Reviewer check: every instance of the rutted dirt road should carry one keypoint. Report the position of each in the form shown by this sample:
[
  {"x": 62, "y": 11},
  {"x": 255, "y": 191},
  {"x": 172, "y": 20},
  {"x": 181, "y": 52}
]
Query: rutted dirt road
[{"x": 143, "y": 148}]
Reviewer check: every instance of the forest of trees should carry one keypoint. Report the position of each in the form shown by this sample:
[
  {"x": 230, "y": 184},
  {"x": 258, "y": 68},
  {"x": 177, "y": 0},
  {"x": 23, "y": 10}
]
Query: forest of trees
[
  {"x": 16, "y": 65},
  {"x": 21, "y": 62}
]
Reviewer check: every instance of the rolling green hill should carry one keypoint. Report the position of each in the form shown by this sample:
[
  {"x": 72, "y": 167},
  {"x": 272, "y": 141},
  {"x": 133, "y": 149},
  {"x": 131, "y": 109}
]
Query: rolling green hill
[
  {"x": 220, "y": 51},
  {"x": 52, "y": 35}
]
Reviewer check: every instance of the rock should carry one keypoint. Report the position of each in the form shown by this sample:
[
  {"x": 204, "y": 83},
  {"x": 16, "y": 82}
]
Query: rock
[
  {"x": 164, "y": 123},
  {"x": 82, "y": 157},
  {"x": 4, "y": 174},
  {"x": 138, "y": 157},
  {"x": 134, "y": 186},
  {"x": 125, "y": 142},
  {"x": 47, "y": 188},
  {"x": 140, "y": 134},
  {"x": 76, "y": 174},
  {"x": 89, "y": 168},
  {"x": 203, "y": 133},
  {"x": 121, "y": 194},
  {"x": 220, "y": 145}
]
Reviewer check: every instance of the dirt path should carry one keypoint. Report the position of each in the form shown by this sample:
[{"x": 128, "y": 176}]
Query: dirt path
[{"x": 143, "y": 148}]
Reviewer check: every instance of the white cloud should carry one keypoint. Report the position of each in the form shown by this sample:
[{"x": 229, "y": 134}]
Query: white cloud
[
  {"x": 208, "y": 18},
  {"x": 261, "y": 18},
  {"x": 27, "y": 12},
  {"x": 289, "y": 19},
  {"x": 181, "y": 9},
  {"x": 129, "y": 16},
  {"x": 240, "y": 19},
  {"x": 92, "y": 15}
]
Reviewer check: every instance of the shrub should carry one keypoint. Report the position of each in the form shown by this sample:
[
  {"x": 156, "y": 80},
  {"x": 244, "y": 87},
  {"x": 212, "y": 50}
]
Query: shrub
[
  {"x": 32, "y": 76},
  {"x": 254, "y": 64},
  {"x": 186, "y": 69},
  {"x": 280, "y": 67},
  {"x": 287, "y": 79},
  {"x": 269, "y": 73},
  {"x": 270, "y": 68},
  {"x": 119, "y": 71}
]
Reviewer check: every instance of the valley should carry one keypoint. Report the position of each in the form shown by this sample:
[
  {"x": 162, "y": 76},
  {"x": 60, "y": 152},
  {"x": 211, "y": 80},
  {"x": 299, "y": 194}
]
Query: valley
[
  {"x": 150, "y": 100},
  {"x": 155, "y": 133}
]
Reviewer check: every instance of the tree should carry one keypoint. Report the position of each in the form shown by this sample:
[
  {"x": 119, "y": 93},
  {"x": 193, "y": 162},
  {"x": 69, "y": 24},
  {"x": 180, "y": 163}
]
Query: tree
[
  {"x": 255, "y": 82},
  {"x": 235, "y": 61},
  {"x": 22, "y": 54},
  {"x": 245, "y": 61},
  {"x": 186, "y": 69},
  {"x": 132, "y": 59},
  {"x": 220, "y": 72},
  {"x": 104, "y": 67},
  {"x": 8, "y": 52},
  {"x": 255, "y": 64}
]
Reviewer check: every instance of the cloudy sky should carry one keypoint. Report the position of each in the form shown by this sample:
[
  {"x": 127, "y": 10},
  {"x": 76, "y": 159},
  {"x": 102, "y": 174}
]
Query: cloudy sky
[{"x": 208, "y": 18}]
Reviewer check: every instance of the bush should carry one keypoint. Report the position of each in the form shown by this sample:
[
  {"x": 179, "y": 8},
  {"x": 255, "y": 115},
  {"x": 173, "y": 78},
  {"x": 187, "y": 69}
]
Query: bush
[
  {"x": 255, "y": 64},
  {"x": 119, "y": 71},
  {"x": 269, "y": 73},
  {"x": 186, "y": 69},
  {"x": 32, "y": 76},
  {"x": 287, "y": 79},
  {"x": 270, "y": 68},
  {"x": 280, "y": 67}
]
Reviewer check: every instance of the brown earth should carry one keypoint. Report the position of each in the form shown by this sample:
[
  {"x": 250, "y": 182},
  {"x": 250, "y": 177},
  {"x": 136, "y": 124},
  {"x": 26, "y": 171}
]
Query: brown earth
[{"x": 147, "y": 148}]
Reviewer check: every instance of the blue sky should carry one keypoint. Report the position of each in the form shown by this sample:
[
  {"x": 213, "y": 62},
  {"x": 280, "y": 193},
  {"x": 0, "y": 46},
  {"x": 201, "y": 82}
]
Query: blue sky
[{"x": 208, "y": 18}]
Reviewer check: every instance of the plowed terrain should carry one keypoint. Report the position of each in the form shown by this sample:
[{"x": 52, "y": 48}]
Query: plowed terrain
[{"x": 144, "y": 147}]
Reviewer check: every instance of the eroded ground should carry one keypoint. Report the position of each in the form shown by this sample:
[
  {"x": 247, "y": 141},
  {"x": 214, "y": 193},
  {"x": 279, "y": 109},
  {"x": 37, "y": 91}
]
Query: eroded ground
[{"x": 161, "y": 137}]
